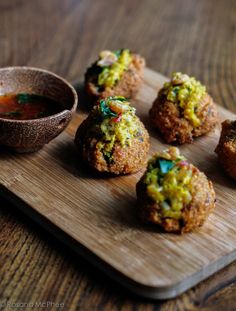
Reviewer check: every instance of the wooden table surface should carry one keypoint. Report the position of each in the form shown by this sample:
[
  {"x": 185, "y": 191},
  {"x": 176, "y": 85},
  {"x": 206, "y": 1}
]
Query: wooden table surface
[{"x": 195, "y": 37}]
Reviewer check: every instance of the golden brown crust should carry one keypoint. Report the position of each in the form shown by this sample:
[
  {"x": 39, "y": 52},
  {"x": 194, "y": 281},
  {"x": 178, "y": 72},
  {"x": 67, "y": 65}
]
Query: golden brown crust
[
  {"x": 126, "y": 160},
  {"x": 193, "y": 215},
  {"x": 226, "y": 148},
  {"x": 167, "y": 117},
  {"x": 127, "y": 86}
]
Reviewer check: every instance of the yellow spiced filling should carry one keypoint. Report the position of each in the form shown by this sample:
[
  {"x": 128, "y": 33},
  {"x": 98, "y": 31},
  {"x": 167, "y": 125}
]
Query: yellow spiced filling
[
  {"x": 168, "y": 180},
  {"x": 187, "y": 92},
  {"x": 114, "y": 64},
  {"x": 115, "y": 122}
]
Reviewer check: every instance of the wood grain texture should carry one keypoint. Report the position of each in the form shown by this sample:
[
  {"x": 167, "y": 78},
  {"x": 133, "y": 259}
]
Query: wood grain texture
[
  {"x": 197, "y": 37},
  {"x": 100, "y": 212}
]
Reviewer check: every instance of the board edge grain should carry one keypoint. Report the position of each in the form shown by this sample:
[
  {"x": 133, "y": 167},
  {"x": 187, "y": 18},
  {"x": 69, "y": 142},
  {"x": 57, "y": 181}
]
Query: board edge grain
[{"x": 159, "y": 293}]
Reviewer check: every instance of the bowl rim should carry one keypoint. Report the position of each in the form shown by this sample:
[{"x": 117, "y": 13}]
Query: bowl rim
[{"x": 68, "y": 84}]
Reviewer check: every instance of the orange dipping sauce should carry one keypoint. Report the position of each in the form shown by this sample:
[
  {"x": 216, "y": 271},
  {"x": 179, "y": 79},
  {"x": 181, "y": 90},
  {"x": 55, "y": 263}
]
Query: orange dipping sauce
[{"x": 24, "y": 106}]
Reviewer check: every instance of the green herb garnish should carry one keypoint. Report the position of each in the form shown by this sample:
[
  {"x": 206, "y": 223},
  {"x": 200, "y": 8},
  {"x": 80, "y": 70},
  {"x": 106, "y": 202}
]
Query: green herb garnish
[
  {"x": 165, "y": 165},
  {"x": 118, "y": 52},
  {"x": 105, "y": 110},
  {"x": 24, "y": 98},
  {"x": 12, "y": 114}
]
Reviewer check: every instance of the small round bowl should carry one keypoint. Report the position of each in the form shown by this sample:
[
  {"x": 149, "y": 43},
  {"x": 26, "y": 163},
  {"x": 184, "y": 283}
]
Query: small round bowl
[{"x": 31, "y": 135}]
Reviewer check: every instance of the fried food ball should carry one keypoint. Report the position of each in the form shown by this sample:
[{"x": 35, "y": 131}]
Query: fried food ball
[
  {"x": 113, "y": 139},
  {"x": 226, "y": 148},
  {"x": 119, "y": 72},
  {"x": 183, "y": 110},
  {"x": 173, "y": 193}
]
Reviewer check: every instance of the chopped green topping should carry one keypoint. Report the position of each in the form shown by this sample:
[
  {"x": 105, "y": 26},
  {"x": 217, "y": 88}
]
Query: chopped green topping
[
  {"x": 106, "y": 106},
  {"x": 114, "y": 64},
  {"x": 105, "y": 110},
  {"x": 118, "y": 52},
  {"x": 15, "y": 113},
  {"x": 168, "y": 180},
  {"x": 187, "y": 92},
  {"x": 165, "y": 165},
  {"x": 24, "y": 98}
]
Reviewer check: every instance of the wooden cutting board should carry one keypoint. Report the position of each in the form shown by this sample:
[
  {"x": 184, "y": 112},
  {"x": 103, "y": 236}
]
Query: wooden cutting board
[{"x": 97, "y": 216}]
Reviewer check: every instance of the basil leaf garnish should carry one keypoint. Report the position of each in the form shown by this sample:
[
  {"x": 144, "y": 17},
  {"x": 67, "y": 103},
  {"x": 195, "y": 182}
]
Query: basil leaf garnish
[{"x": 165, "y": 165}]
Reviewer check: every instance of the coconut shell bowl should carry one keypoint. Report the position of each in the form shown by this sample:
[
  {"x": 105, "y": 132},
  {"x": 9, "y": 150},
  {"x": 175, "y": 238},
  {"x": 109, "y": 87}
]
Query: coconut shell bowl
[{"x": 30, "y": 135}]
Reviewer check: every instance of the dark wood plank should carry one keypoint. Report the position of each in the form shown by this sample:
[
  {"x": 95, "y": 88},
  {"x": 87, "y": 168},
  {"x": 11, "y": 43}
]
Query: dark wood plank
[{"x": 197, "y": 37}]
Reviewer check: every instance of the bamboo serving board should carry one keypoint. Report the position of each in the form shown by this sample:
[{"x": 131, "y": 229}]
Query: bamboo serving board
[{"x": 97, "y": 215}]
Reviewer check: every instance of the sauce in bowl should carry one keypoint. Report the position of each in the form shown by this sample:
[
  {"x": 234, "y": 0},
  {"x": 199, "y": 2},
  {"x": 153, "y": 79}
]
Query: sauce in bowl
[{"x": 24, "y": 106}]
